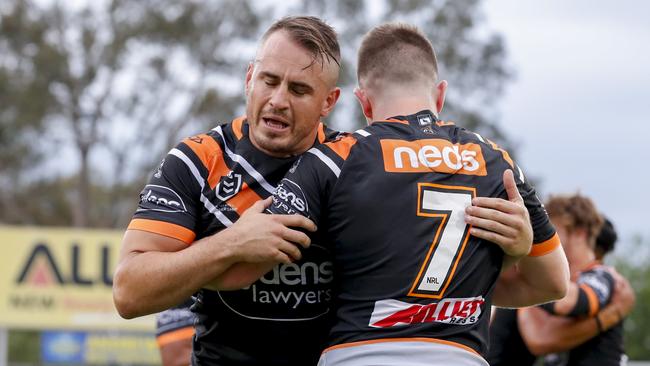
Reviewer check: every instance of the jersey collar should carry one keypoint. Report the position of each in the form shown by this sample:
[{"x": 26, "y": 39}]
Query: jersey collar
[{"x": 422, "y": 118}]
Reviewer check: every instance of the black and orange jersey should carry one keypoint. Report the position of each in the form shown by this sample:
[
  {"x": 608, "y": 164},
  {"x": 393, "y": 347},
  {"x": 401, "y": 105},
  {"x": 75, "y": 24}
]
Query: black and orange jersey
[
  {"x": 390, "y": 201},
  {"x": 202, "y": 186},
  {"x": 596, "y": 286}
]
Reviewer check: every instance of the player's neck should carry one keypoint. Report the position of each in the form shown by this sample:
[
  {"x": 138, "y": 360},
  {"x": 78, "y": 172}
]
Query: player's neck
[
  {"x": 403, "y": 105},
  {"x": 585, "y": 261}
]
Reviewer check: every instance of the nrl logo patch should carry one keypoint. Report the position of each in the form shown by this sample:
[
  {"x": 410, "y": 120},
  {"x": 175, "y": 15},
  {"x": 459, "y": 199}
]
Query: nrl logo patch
[
  {"x": 425, "y": 119},
  {"x": 228, "y": 186}
]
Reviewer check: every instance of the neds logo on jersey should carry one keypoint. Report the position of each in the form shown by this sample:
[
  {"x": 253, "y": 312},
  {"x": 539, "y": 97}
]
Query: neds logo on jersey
[{"x": 436, "y": 155}]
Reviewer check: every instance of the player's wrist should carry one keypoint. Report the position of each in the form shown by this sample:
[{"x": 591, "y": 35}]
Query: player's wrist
[{"x": 228, "y": 240}]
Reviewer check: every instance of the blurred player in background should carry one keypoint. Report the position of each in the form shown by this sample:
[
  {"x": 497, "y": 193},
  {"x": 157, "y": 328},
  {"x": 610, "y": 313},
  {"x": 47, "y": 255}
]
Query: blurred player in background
[
  {"x": 592, "y": 338},
  {"x": 174, "y": 333}
]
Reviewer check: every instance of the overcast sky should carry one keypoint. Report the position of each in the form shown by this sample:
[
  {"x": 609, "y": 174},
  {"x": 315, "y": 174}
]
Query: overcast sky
[{"x": 579, "y": 105}]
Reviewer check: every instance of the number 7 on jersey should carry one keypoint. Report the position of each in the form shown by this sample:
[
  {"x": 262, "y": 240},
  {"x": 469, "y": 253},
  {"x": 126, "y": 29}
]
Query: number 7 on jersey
[{"x": 447, "y": 203}]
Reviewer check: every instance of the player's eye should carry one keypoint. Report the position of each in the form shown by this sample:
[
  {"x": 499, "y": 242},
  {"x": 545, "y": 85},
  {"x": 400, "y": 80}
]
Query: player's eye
[{"x": 300, "y": 90}]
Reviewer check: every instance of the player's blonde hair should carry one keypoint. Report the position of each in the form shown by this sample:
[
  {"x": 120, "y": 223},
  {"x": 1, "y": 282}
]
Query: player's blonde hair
[{"x": 576, "y": 212}]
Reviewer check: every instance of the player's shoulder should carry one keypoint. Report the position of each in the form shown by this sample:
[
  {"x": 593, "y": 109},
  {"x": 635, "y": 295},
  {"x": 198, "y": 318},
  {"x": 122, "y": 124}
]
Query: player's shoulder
[
  {"x": 597, "y": 275},
  {"x": 339, "y": 145},
  {"x": 211, "y": 144},
  {"x": 598, "y": 269},
  {"x": 486, "y": 145}
]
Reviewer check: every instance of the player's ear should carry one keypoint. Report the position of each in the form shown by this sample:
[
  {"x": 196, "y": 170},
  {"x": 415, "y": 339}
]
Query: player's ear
[
  {"x": 329, "y": 102},
  {"x": 439, "y": 95},
  {"x": 364, "y": 102},
  {"x": 249, "y": 77}
]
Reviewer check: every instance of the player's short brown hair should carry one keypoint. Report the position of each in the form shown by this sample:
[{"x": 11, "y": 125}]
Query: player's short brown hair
[
  {"x": 313, "y": 34},
  {"x": 396, "y": 53},
  {"x": 576, "y": 212}
]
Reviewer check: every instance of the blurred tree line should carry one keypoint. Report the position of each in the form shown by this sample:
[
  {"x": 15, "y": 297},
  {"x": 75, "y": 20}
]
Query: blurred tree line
[
  {"x": 633, "y": 264},
  {"x": 93, "y": 95}
]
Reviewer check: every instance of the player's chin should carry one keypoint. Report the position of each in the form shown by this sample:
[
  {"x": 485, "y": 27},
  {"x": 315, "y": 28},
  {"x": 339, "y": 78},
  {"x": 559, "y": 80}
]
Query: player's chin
[{"x": 280, "y": 145}]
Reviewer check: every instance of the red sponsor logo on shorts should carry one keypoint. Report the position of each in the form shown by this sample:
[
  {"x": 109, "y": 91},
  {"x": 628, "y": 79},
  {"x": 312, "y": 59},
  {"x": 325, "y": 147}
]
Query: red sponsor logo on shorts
[{"x": 391, "y": 313}]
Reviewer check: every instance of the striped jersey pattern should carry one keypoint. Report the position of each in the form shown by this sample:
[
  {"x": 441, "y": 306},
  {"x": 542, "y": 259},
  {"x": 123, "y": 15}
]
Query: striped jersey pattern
[{"x": 203, "y": 186}]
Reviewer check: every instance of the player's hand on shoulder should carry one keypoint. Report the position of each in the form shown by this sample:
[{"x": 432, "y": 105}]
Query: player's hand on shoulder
[
  {"x": 261, "y": 237},
  {"x": 503, "y": 222},
  {"x": 623, "y": 298}
]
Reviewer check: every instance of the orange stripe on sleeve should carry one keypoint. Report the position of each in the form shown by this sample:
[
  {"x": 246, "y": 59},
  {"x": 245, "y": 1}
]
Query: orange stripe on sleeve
[
  {"x": 243, "y": 199},
  {"x": 343, "y": 146},
  {"x": 236, "y": 127},
  {"x": 415, "y": 339},
  {"x": 545, "y": 247},
  {"x": 210, "y": 154},
  {"x": 592, "y": 299},
  {"x": 175, "y": 336},
  {"x": 163, "y": 228}
]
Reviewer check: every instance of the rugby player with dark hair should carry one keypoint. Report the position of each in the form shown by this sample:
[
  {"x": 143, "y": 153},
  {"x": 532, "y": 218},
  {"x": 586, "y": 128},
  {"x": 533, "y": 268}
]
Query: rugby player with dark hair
[{"x": 400, "y": 204}]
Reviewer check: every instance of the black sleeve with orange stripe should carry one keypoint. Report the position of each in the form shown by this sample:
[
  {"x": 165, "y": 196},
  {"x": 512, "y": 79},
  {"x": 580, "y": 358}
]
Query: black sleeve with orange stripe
[
  {"x": 545, "y": 239},
  {"x": 169, "y": 202},
  {"x": 596, "y": 288},
  {"x": 594, "y": 291}
]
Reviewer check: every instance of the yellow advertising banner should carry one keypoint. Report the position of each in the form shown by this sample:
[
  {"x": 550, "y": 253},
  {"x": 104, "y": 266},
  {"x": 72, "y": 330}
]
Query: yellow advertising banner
[{"x": 60, "y": 278}]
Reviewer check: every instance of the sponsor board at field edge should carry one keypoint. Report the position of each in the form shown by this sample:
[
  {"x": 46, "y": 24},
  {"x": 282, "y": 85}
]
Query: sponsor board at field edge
[
  {"x": 98, "y": 348},
  {"x": 60, "y": 278}
]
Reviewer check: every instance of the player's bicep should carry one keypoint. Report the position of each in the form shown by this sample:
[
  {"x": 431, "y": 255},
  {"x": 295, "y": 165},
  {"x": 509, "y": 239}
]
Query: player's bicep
[
  {"x": 138, "y": 241},
  {"x": 170, "y": 202}
]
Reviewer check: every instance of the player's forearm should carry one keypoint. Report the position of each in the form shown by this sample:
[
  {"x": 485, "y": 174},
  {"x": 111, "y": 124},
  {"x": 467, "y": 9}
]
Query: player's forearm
[
  {"x": 534, "y": 280},
  {"x": 547, "y": 274},
  {"x": 544, "y": 333},
  {"x": 513, "y": 291},
  {"x": 240, "y": 275},
  {"x": 149, "y": 282}
]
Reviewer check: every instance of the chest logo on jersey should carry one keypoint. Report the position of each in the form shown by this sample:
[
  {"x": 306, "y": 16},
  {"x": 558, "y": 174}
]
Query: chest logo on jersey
[
  {"x": 228, "y": 186},
  {"x": 290, "y": 199},
  {"x": 289, "y": 292},
  {"x": 392, "y": 313},
  {"x": 437, "y": 155}
]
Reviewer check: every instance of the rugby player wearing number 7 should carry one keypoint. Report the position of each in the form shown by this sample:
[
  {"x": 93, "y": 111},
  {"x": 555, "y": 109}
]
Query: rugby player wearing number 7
[{"x": 414, "y": 279}]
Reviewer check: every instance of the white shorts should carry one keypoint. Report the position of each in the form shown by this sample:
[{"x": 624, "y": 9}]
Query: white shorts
[{"x": 403, "y": 352}]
